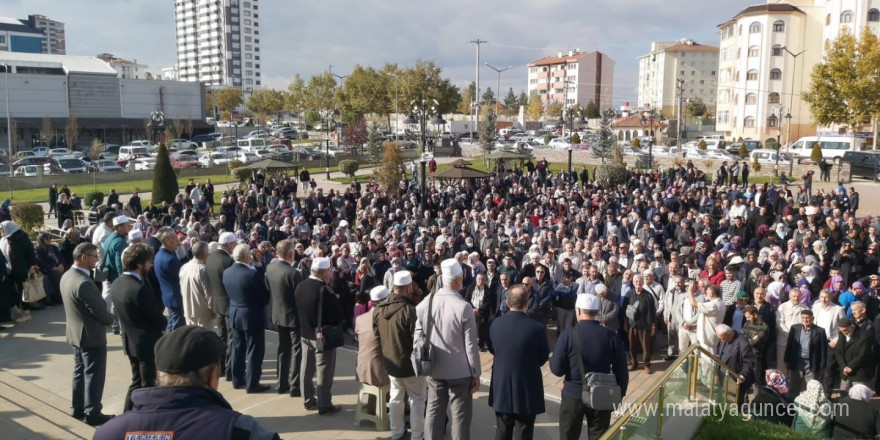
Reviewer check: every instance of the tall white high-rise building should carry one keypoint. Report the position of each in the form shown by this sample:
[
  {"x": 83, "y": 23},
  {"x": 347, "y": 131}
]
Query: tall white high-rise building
[{"x": 218, "y": 42}]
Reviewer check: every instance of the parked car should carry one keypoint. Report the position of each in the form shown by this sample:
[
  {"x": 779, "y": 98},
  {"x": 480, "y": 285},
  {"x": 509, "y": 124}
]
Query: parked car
[
  {"x": 264, "y": 153},
  {"x": 559, "y": 144},
  {"x": 24, "y": 154},
  {"x": 58, "y": 152},
  {"x": 769, "y": 156},
  {"x": 25, "y": 171},
  {"x": 131, "y": 151},
  {"x": 183, "y": 144},
  {"x": 217, "y": 157},
  {"x": 303, "y": 153},
  {"x": 143, "y": 143},
  {"x": 144, "y": 163},
  {"x": 188, "y": 159},
  {"x": 4, "y": 171},
  {"x": 35, "y": 160},
  {"x": 864, "y": 164},
  {"x": 750, "y": 146},
  {"x": 206, "y": 137},
  {"x": 106, "y": 166},
  {"x": 41, "y": 151},
  {"x": 246, "y": 157}
]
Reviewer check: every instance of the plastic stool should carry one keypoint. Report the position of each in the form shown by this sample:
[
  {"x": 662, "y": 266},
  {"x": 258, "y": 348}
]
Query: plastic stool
[{"x": 372, "y": 406}]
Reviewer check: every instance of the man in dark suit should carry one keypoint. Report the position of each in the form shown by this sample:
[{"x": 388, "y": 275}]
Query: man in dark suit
[
  {"x": 282, "y": 279},
  {"x": 806, "y": 353},
  {"x": 482, "y": 298},
  {"x": 854, "y": 353},
  {"x": 323, "y": 364},
  {"x": 86, "y": 317},
  {"x": 140, "y": 317},
  {"x": 248, "y": 297},
  {"x": 217, "y": 262},
  {"x": 520, "y": 347},
  {"x": 601, "y": 351},
  {"x": 736, "y": 352}
]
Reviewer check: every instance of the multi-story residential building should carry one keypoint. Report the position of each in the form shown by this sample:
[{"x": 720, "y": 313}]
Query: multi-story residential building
[
  {"x": 126, "y": 69},
  {"x": 573, "y": 79},
  {"x": 36, "y": 34},
  {"x": 218, "y": 42},
  {"x": 766, "y": 58},
  {"x": 667, "y": 63},
  {"x": 54, "y": 41}
]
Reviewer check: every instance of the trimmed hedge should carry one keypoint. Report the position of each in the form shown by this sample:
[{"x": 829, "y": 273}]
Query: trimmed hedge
[
  {"x": 616, "y": 174},
  {"x": 90, "y": 196},
  {"x": 349, "y": 167},
  {"x": 28, "y": 216}
]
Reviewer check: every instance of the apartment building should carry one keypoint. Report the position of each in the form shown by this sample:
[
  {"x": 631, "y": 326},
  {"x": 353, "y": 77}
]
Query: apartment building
[
  {"x": 668, "y": 62},
  {"x": 36, "y": 34},
  {"x": 125, "y": 69},
  {"x": 573, "y": 78},
  {"x": 218, "y": 42}
]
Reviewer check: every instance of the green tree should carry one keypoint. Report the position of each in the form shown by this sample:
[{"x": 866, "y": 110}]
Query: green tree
[
  {"x": 266, "y": 102},
  {"x": 228, "y": 100},
  {"x": 511, "y": 102},
  {"x": 388, "y": 172},
  {"x": 844, "y": 85},
  {"x": 523, "y": 100},
  {"x": 743, "y": 151},
  {"x": 355, "y": 135},
  {"x": 295, "y": 98},
  {"x": 349, "y": 167},
  {"x": 576, "y": 138},
  {"x": 488, "y": 96},
  {"x": 366, "y": 91},
  {"x": 535, "y": 107},
  {"x": 696, "y": 108},
  {"x": 636, "y": 143},
  {"x": 164, "y": 180},
  {"x": 487, "y": 132},
  {"x": 425, "y": 81},
  {"x": 591, "y": 111},
  {"x": 816, "y": 153},
  {"x": 605, "y": 139},
  {"x": 312, "y": 117},
  {"x": 554, "y": 109},
  {"x": 467, "y": 99},
  {"x": 320, "y": 91},
  {"x": 374, "y": 144}
]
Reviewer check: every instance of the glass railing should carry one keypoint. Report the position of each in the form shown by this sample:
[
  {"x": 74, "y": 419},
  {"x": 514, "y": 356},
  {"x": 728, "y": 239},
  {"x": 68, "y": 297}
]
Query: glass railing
[{"x": 696, "y": 379}]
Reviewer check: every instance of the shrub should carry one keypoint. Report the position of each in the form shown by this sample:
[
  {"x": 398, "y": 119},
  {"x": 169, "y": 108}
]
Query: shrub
[
  {"x": 548, "y": 137},
  {"x": 164, "y": 179},
  {"x": 743, "y": 151},
  {"x": 740, "y": 139},
  {"x": 702, "y": 144},
  {"x": 349, "y": 167},
  {"x": 91, "y": 196},
  {"x": 242, "y": 174},
  {"x": 636, "y": 143},
  {"x": 678, "y": 161},
  {"x": 816, "y": 154},
  {"x": 388, "y": 172},
  {"x": 235, "y": 164},
  {"x": 28, "y": 217},
  {"x": 575, "y": 138},
  {"x": 771, "y": 144},
  {"x": 756, "y": 166},
  {"x": 614, "y": 174}
]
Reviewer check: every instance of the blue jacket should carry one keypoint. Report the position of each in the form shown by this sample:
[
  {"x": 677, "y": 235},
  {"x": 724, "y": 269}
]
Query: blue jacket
[
  {"x": 520, "y": 347},
  {"x": 114, "y": 246},
  {"x": 248, "y": 296},
  {"x": 602, "y": 351},
  {"x": 180, "y": 413},
  {"x": 167, "y": 268}
]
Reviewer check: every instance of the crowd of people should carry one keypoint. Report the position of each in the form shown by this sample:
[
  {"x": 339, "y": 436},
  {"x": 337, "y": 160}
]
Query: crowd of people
[{"x": 776, "y": 282}]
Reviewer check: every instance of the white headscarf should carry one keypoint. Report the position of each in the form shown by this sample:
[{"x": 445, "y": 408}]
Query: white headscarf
[{"x": 861, "y": 392}]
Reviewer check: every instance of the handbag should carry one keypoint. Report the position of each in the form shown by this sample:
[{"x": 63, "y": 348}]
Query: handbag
[
  {"x": 600, "y": 390},
  {"x": 32, "y": 288},
  {"x": 423, "y": 351},
  {"x": 328, "y": 337},
  {"x": 631, "y": 311}
]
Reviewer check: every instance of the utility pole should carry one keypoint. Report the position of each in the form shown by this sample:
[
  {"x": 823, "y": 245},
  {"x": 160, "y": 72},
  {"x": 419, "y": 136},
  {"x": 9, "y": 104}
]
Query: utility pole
[
  {"x": 478, "y": 42},
  {"x": 679, "y": 89}
]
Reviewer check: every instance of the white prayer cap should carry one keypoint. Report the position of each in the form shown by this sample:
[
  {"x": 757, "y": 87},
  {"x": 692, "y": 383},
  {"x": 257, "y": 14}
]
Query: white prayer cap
[{"x": 587, "y": 302}]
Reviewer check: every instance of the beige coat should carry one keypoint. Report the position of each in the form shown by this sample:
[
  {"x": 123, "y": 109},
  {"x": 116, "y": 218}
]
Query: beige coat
[
  {"x": 196, "y": 294},
  {"x": 370, "y": 363}
]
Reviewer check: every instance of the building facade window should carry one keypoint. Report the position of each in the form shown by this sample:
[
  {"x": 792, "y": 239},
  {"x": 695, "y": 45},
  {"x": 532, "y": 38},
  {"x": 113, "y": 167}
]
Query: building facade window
[
  {"x": 777, "y": 50},
  {"x": 773, "y": 98},
  {"x": 775, "y": 74},
  {"x": 846, "y": 16},
  {"x": 749, "y": 122},
  {"x": 778, "y": 26},
  {"x": 753, "y": 51},
  {"x": 772, "y": 121},
  {"x": 751, "y": 98},
  {"x": 828, "y": 20},
  {"x": 752, "y": 75},
  {"x": 873, "y": 14},
  {"x": 755, "y": 28}
]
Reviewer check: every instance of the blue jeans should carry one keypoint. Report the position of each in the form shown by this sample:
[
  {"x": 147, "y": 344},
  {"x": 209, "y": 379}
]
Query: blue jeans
[
  {"x": 89, "y": 371},
  {"x": 175, "y": 319}
]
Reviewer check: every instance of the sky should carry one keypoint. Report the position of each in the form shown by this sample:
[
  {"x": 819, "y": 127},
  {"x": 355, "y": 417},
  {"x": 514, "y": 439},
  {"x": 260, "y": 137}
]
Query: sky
[{"x": 307, "y": 37}]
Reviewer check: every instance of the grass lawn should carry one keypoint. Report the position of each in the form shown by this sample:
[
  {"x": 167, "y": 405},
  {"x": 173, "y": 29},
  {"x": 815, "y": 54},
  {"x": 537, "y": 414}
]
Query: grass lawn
[
  {"x": 38, "y": 195},
  {"x": 737, "y": 428}
]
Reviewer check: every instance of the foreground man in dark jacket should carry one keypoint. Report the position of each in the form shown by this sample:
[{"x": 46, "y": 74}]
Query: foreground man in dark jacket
[{"x": 186, "y": 404}]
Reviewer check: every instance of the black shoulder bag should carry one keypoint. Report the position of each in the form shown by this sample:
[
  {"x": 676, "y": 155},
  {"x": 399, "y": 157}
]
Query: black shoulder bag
[
  {"x": 328, "y": 337},
  {"x": 423, "y": 350},
  {"x": 601, "y": 391}
]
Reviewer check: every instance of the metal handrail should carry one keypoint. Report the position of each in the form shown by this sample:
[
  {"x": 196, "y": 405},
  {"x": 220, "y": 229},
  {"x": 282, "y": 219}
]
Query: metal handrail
[{"x": 695, "y": 351}]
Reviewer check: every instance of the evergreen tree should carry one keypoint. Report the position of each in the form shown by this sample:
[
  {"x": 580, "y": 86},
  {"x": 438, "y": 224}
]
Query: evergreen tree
[
  {"x": 388, "y": 173},
  {"x": 591, "y": 111},
  {"x": 164, "y": 180},
  {"x": 523, "y": 100},
  {"x": 511, "y": 102},
  {"x": 488, "y": 96},
  {"x": 374, "y": 144},
  {"x": 487, "y": 133},
  {"x": 606, "y": 140}
]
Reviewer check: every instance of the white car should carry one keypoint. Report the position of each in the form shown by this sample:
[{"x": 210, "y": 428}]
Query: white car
[
  {"x": 559, "y": 144},
  {"x": 264, "y": 153},
  {"x": 246, "y": 157},
  {"x": 40, "y": 151},
  {"x": 58, "y": 152},
  {"x": 144, "y": 163},
  {"x": 218, "y": 158},
  {"x": 720, "y": 154},
  {"x": 26, "y": 171},
  {"x": 183, "y": 144}
]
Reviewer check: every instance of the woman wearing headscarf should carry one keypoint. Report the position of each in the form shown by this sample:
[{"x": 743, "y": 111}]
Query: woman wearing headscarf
[
  {"x": 813, "y": 411},
  {"x": 810, "y": 281},
  {"x": 51, "y": 265},
  {"x": 770, "y": 398},
  {"x": 21, "y": 260},
  {"x": 854, "y": 416}
]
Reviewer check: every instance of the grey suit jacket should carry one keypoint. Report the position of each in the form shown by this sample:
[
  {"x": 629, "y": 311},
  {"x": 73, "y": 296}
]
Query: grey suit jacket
[
  {"x": 454, "y": 336},
  {"x": 282, "y": 279},
  {"x": 86, "y": 312}
]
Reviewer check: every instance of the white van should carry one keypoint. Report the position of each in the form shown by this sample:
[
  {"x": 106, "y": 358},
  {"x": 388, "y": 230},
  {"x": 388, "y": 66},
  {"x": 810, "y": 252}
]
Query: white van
[
  {"x": 251, "y": 145},
  {"x": 832, "y": 147},
  {"x": 129, "y": 151}
]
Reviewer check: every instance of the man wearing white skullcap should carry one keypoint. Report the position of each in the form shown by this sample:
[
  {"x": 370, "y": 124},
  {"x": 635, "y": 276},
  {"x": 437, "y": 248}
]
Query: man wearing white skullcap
[
  {"x": 393, "y": 323},
  {"x": 323, "y": 364},
  {"x": 370, "y": 367},
  {"x": 455, "y": 372}
]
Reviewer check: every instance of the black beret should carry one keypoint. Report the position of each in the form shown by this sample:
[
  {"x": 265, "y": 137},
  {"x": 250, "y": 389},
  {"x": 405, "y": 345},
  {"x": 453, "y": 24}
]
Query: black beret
[{"x": 187, "y": 349}]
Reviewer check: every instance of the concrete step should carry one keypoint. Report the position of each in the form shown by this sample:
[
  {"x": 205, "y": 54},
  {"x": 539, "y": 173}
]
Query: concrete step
[{"x": 30, "y": 412}]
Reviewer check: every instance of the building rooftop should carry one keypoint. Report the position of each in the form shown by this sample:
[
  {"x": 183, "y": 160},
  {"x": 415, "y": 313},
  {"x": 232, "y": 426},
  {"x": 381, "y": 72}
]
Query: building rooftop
[
  {"x": 692, "y": 47},
  {"x": 69, "y": 63},
  {"x": 763, "y": 9},
  {"x": 549, "y": 61}
]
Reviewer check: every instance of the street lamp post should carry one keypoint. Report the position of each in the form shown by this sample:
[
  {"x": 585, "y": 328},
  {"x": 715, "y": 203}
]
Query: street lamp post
[
  {"x": 791, "y": 102},
  {"x": 791, "y": 159},
  {"x": 649, "y": 115},
  {"x": 778, "y": 137},
  {"x": 423, "y": 190},
  {"x": 6, "y": 68},
  {"x": 329, "y": 122},
  {"x": 157, "y": 119},
  {"x": 498, "y": 86},
  {"x": 421, "y": 109}
]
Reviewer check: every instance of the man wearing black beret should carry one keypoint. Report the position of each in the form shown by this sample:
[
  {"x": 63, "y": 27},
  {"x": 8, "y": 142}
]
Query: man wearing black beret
[{"x": 186, "y": 403}]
